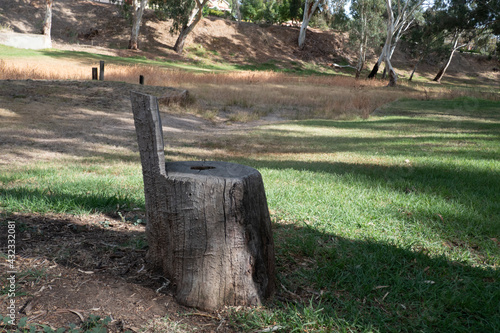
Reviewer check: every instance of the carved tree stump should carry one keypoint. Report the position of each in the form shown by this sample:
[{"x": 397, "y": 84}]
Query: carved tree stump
[{"x": 208, "y": 224}]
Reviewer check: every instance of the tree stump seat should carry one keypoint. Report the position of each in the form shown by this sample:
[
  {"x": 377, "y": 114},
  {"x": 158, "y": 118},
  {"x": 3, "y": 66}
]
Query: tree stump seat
[{"x": 208, "y": 225}]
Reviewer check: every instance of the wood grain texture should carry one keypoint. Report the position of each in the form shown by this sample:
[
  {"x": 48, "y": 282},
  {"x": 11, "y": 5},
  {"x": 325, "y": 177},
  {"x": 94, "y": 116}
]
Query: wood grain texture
[{"x": 209, "y": 229}]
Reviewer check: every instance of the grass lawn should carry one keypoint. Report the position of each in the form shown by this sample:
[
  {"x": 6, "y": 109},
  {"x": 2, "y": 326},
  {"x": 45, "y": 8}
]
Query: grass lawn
[{"x": 388, "y": 224}]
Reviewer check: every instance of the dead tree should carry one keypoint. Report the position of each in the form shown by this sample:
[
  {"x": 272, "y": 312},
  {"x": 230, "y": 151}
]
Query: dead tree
[{"x": 208, "y": 225}]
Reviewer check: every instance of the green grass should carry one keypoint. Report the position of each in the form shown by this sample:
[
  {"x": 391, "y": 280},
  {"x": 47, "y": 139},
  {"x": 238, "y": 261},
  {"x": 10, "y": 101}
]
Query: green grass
[
  {"x": 10, "y": 52},
  {"x": 383, "y": 225},
  {"x": 195, "y": 66},
  {"x": 74, "y": 188}
]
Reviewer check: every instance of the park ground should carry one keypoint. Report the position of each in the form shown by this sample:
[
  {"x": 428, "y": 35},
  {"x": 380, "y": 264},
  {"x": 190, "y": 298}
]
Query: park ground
[{"x": 384, "y": 201}]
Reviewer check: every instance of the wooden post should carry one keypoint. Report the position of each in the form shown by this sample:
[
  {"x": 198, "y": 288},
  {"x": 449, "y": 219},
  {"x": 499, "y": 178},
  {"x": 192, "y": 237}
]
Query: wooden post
[
  {"x": 94, "y": 73},
  {"x": 208, "y": 229},
  {"x": 141, "y": 79},
  {"x": 101, "y": 71}
]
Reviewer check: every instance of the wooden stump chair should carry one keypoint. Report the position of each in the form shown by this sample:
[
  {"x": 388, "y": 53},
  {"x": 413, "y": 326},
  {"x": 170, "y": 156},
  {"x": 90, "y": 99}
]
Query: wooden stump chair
[{"x": 208, "y": 225}]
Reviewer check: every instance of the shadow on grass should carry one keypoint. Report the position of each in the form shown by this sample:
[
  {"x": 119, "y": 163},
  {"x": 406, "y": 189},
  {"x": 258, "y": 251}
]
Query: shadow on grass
[
  {"x": 349, "y": 284},
  {"x": 376, "y": 285}
]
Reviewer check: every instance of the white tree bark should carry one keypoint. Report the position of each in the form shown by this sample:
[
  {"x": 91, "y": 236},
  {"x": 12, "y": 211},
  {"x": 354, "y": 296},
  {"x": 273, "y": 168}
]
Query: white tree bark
[
  {"x": 455, "y": 47},
  {"x": 136, "y": 26},
  {"x": 237, "y": 10},
  {"x": 309, "y": 9},
  {"x": 393, "y": 77},
  {"x": 395, "y": 24},
  {"x": 47, "y": 22},
  {"x": 362, "y": 44}
]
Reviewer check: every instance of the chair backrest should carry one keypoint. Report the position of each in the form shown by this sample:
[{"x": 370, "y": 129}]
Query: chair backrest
[{"x": 149, "y": 132}]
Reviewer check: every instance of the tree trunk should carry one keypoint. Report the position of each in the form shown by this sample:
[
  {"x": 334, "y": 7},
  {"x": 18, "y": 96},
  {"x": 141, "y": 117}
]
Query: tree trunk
[
  {"x": 192, "y": 22},
  {"x": 181, "y": 40},
  {"x": 359, "y": 67},
  {"x": 361, "y": 55},
  {"x": 136, "y": 26},
  {"x": 47, "y": 22},
  {"x": 415, "y": 67},
  {"x": 374, "y": 71},
  {"x": 384, "y": 73},
  {"x": 443, "y": 69},
  {"x": 208, "y": 229},
  {"x": 399, "y": 25},
  {"x": 386, "y": 51},
  {"x": 309, "y": 9},
  {"x": 237, "y": 10},
  {"x": 393, "y": 77}
]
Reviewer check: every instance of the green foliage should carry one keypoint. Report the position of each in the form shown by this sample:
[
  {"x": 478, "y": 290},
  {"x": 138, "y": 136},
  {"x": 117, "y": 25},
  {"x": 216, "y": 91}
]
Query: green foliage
[
  {"x": 426, "y": 38},
  {"x": 252, "y": 10},
  {"x": 215, "y": 12},
  {"x": 296, "y": 9},
  {"x": 367, "y": 15},
  {"x": 271, "y": 11},
  {"x": 179, "y": 11}
]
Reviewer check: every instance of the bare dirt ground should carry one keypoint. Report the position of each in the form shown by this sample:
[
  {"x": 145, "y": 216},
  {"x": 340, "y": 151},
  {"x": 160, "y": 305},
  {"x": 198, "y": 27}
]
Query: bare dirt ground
[
  {"x": 74, "y": 266},
  {"x": 101, "y": 28},
  {"x": 44, "y": 120}
]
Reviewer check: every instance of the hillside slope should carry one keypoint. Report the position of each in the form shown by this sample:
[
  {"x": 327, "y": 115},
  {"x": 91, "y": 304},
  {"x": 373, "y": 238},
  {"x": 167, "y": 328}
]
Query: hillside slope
[
  {"x": 100, "y": 28},
  {"x": 97, "y": 24}
]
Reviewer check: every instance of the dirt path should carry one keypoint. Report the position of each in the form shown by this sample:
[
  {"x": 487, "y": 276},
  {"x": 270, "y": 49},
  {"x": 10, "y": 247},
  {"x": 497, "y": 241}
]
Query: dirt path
[{"x": 43, "y": 120}]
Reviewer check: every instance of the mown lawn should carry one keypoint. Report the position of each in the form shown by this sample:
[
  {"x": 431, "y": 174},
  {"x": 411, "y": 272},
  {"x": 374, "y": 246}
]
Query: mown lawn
[{"x": 388, "y": 224}]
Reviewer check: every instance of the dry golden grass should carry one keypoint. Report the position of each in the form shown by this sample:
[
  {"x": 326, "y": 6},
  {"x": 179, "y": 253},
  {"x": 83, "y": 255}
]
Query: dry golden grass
[{"x": 245, "y": 91}]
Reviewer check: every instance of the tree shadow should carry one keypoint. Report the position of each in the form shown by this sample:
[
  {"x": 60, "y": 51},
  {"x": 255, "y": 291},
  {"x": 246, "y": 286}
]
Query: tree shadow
[
  {"x": 363, "y": 284},
  {"x": 81, "y": 119},
  {"x": 381, "y": 286},
  {"x": 280, "y": 45}
]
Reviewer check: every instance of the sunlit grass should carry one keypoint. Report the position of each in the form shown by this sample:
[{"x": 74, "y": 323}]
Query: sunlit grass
[{"x": 76, "y": 188}]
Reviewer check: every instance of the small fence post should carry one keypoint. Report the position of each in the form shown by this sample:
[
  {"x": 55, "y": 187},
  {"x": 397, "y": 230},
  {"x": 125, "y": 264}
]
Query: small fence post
[
  {"x": 141, "y": 79},
  {"x": 101, "y": 72},
  {"x": 94, "y": 73}
]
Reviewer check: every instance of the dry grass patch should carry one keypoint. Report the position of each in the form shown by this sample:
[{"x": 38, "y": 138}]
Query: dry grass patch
[
  {"x": 244, "y": 96},
  {"x": 235, "y": 92}
]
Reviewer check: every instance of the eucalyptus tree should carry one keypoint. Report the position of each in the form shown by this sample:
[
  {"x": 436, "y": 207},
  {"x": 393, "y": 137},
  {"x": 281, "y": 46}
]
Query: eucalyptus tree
[
  {"x": 236, "y": 9},
  {"x": 310, "y": 7},
  {"x": 365, "y": 27},
  {"x": 399, "y": 19},
  {"x": 137, "y": 14},
  {"x": 47, "y": 21},
  {"x": 464, "y": 20},
  {"x": 425, "y": 38},
  {"x": 185, "y": 15}
]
